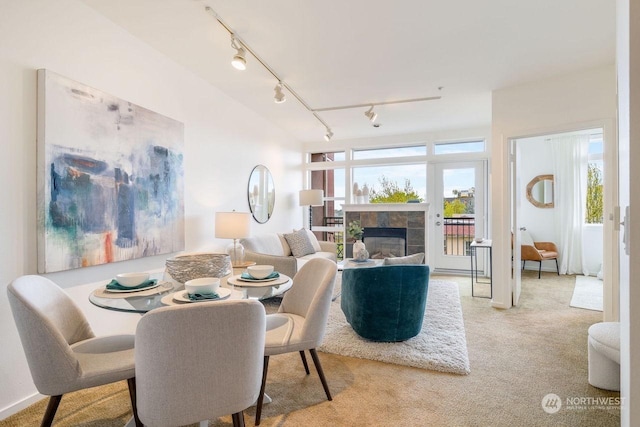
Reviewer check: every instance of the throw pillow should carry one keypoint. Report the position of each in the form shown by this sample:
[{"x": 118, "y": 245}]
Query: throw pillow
[
  {"x": 299, "y": 243},
  {"x": 409, "y": 259},
  {"x": 314, "y": 241}
]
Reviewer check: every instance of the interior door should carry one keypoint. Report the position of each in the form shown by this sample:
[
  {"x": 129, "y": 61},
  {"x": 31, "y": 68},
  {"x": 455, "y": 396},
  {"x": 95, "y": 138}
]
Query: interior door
[
  {"x": 516, "y": 284},
  {"x": 459, "y": 205}
]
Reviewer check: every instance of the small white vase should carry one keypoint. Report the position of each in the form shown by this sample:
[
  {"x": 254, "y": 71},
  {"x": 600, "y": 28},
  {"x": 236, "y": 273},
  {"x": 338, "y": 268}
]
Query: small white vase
[{"x": 360, "y": 252}]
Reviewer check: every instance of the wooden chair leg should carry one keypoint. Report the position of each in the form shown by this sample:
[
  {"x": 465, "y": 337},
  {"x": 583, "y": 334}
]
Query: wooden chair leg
[
  {"x": 262, "y": 387},
  {"x": 304, "y": 361},
  {"x": 316, "y": 361},
  {"x": 131, "y": 382},
  {"x": 238, "y": 419},
  {"x": 50, "y": 413}
]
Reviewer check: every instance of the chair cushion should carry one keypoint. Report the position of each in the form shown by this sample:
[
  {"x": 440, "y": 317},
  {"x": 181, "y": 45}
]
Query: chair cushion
[
  {"x": 299, "y": 243},
  {"x": 409, "y": 259}
]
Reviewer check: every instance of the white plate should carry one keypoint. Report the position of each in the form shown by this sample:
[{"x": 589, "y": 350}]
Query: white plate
[
  {"x": 183, "y": 296},
  {"x": 132, "y": 290},
  {"x": 242, "y": 279}
]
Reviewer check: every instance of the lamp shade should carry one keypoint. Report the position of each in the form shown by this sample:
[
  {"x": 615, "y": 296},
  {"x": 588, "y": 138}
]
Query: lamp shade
[
  {"x": 233, "y": 225},
  {"x": 311, "y": 197}
]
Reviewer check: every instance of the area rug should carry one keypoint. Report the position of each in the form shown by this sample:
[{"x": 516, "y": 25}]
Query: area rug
[
  {"x": 587, "y": 293},
  {"x": 441, "y": 345}
]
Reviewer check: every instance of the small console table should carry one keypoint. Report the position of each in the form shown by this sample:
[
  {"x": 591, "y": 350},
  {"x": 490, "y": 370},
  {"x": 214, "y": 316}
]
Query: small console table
[{"x": 473, "y": 251}]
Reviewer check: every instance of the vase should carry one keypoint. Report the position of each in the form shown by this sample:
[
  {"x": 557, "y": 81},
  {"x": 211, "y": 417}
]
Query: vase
[{"x": 360, "y": 252}]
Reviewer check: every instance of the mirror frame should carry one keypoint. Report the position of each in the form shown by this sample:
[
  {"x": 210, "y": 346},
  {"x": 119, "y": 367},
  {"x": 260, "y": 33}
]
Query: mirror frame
[
  {"x": 260, "y": 178},
  {"x": 530, "y": 185}
]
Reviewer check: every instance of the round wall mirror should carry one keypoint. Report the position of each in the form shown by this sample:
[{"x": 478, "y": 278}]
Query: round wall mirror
[
  {"x": 540, "y": 191},
  {"x": 262, "y": 194}
]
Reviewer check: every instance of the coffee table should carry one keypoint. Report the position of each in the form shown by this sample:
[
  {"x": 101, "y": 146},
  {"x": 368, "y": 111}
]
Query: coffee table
[{"x": 351, "y": 263}]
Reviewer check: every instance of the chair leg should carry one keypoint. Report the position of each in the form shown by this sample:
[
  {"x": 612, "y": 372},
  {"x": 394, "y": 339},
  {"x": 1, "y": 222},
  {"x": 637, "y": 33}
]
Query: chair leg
[
  {"x": 52, "y": 407},
  {"x": 316, "y": 361},
  {"x": 523, "y": 262},
  {"x": 131, "y": 382},
  {"x": 539, "y": 268},
  {"x": 304, "y": 361},
  {"x": 238, "y": 419},
  {"x": 557, "y": 268},
  {"x": 261, "y": 395}
]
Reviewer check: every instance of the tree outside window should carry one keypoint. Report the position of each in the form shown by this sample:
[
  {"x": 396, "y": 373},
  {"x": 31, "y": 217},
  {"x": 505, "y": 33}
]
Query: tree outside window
[{"x": 594, "y": 208}]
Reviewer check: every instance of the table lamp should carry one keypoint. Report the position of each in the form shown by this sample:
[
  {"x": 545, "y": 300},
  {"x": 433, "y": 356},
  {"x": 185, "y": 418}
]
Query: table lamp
[
  {"x": 311, "y": 198},
  {"x": 234, "y": 225}
]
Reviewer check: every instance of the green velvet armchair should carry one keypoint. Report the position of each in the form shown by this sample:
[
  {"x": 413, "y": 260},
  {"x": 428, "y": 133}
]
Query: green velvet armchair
[{"x": 385, "y": 303}]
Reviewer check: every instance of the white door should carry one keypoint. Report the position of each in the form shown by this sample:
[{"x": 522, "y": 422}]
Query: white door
[
  {"x": 458, "y": 213},
  {"x": 516, "y": 284}
]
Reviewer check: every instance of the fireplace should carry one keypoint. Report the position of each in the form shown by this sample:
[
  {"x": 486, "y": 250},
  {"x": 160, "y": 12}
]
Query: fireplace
[{"x": 385, "y": 242}]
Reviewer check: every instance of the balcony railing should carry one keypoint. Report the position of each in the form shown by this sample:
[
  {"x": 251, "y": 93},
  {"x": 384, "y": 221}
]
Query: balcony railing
[{"x": 458, "y": 235}]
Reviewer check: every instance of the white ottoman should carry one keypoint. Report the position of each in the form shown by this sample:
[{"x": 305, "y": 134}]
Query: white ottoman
[{"x": 604, "y": 355}]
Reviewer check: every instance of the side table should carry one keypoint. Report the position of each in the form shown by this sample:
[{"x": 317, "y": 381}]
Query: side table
[{"x": 473, "y": 251}]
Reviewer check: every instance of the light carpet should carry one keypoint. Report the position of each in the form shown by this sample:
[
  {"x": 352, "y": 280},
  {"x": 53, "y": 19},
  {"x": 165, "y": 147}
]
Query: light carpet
[
  {"x": 441, "y": 345},
  {"x": 587, "y": 293}
]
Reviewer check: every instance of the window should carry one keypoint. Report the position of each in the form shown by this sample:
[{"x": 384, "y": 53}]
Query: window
[
  {"x": 386, "y": 153},
  {"x": 594, "y": 211},
  {"x": 393, "y": 183},
  {"x": 458, "y": 147},
  {"x": 336, "y": 156}
]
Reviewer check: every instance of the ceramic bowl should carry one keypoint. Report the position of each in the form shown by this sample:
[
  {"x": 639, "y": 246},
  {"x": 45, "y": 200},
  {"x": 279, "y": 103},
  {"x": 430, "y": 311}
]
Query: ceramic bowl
[
  {"x": 260, "y": 271},
  {"x": 130, "y": 280},
  {"x": 203, "y": 285}
]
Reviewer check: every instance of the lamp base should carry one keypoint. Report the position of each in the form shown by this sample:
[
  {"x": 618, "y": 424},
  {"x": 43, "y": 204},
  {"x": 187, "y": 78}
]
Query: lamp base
[{"x": 236, "y": 253}]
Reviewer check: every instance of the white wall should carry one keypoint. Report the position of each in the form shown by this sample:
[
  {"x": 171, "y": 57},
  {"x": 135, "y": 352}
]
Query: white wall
[
  {"x": 584, "y": 100},
  {"x": 223, "y": 142}
]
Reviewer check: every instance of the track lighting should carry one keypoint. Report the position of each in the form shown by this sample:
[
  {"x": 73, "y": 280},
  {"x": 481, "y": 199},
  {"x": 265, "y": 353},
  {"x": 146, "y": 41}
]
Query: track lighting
[
  {"x": 279, "y": 97},
  {"x": 238, "y": 61},
  {"x": 328, "y": 135},
  {"x": 371, "y": 115}
]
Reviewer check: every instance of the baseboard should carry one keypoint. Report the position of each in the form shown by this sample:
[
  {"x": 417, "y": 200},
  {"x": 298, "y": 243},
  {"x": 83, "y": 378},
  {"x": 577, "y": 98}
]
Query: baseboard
[{"x": 20, "y": 405}]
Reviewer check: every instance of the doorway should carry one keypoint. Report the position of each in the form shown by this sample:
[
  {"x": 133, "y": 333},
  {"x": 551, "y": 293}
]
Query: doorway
[
  {"x": 459, "y": 207},
  {"x": 534, "y": 157}
]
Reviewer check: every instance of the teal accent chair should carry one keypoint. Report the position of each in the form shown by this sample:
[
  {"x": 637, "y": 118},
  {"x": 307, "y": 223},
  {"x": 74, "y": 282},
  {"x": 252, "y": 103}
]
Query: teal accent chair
[{"x": 387, "y": 302}]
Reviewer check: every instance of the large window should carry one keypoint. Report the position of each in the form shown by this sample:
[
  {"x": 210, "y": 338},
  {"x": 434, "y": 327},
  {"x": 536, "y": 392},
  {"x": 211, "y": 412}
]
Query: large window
[
  {"x": 387, "y": 153},
  {"x": 393, "y": 183}
]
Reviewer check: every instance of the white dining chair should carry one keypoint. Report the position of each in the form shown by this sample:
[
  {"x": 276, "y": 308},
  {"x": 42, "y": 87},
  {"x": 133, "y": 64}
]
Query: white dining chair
[
  {"x": 62, "y": 351},
  {"x": 301, "y": 320},
  {"x": 197, "y": 362}
]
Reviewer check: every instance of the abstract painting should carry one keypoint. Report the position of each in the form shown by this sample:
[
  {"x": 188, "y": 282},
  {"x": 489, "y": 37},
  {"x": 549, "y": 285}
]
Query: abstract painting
[{"x": 110, "y": 178}]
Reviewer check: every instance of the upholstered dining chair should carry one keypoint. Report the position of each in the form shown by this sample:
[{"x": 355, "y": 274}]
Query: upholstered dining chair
[
  {"x": 537, "y": 251},
  {"x": 62, "y": 351},
  {"x": 197, "y": 362},
  {"x": 301, "y": 320}
]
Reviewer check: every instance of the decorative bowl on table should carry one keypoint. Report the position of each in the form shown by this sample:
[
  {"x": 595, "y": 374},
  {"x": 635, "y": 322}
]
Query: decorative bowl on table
[
  {"x": 260, "y": 271},
  {"x": 202, "y": 286},
  {"x": 182, "y": 268},
  {"x": 131, "y": 280}
]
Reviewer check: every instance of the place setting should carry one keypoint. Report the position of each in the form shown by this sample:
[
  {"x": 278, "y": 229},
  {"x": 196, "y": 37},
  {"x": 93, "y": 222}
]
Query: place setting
[
  {"x": 127, "y": 285},
  {"x": 258, "y": 276},
  {"x": 198, "y": 290}
]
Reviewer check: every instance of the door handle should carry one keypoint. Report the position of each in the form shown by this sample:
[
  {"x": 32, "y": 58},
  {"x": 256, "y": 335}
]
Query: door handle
[{"x": 438, "y": 223}]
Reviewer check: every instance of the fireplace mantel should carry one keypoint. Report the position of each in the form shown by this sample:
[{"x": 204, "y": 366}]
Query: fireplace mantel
[{"x": 386, "y": 207}]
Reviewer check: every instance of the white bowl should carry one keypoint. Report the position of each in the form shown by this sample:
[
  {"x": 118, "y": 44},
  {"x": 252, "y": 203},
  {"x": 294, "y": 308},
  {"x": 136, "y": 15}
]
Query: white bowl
[
  {"x": 260, "y": 271},
  {"x": 203, "y": 285},
  {"x": 130, "y": 280}
]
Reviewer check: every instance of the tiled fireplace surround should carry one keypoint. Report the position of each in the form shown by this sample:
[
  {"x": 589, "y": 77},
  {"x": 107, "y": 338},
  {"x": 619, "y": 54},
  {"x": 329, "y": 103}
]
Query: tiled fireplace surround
[{"x": 411, "y": 217}]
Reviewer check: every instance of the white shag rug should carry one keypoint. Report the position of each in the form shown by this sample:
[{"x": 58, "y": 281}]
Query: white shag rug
[
  {"x": 441, "y": 345},
  {"x": 587, "y": 293}
]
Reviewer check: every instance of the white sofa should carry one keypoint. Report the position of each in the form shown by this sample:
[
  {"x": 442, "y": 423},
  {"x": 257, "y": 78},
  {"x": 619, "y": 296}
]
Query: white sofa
[{"x": 273, "y": 249}]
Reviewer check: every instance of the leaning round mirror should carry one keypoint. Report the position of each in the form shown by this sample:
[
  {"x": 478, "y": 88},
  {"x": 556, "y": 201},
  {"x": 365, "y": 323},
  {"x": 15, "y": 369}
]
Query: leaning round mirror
[
  {"x": 540, "y": 191},
  {"x": 262, "y": 194}
]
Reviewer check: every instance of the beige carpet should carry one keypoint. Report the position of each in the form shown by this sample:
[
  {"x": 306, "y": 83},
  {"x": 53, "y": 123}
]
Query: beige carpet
[
  {"x": 518, "y": 356},
  {"x": 440, "y": 346}
]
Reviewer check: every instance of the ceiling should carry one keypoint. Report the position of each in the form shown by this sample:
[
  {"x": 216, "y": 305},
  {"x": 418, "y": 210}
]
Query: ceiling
[{"x": 335, "y": 53}]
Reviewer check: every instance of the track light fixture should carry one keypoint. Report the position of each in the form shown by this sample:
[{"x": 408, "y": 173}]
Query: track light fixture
[
  {"x": 328, "y": 135},
  {"x": 371, "y": 115},
  {"x": 279, "y": 97},
  {"x": 238, "y": 61}
]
